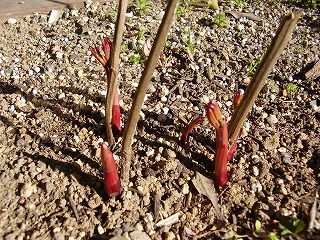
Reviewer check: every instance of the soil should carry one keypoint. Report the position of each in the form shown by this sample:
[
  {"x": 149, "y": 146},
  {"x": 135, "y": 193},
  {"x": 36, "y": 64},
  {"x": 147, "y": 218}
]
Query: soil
[{"x": 52, "y": 120}]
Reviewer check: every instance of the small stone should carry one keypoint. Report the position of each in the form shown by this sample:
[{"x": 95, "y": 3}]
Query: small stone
[
  {"x": 314, "y": 105},
  {"x": 27, "y": 190},
  {"x": 285, "y": 212},
  {"x": 279, "y": 181},
  {"x": 185, "y": 189},
  {"x": 165, "y": 110},
  {"x": 168, "y": 153},
  {"x": 49, "y": 187},
  {"x": 240, "y": 27},
  {"x": 162, "y": 118},
  {"x": 137, "y": 235},
  {"x": 12, "y": 21},
  {"x": 170, "y": 236},
  {"x": 164, "y": 99},
  {"x": 61, "y": 96},
  {"x": 37, "y": 69},
  {"x": 126, "y": 227},
  {"x": 272, "y": 119},
  {"x": 138, "y": 227},
  {"x": 255, "y": 171},
  {"x": 100, "y": 230},
  {"x": 283, "y": 190},
  {"x": 256, "y": 187},
  {"x": 286, "y": 159},
  {"x": 282, "y": 150}
]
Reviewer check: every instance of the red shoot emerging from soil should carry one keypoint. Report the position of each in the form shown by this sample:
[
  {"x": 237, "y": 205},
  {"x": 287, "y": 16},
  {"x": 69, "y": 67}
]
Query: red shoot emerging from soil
[
  {"x": 237, "y": 97},
  {"x": 104, "y": 59},
  {"x": 116, "y": 117},
  {"x": 189, "y": 127},
  {"x": 112, "y": 184},
  {"x": 215, "y": 118}
]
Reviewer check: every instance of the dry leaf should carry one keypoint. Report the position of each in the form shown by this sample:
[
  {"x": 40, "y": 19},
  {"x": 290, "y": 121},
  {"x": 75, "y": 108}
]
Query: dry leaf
[
  {"x": 251, "y": 16},
  {"x": 205, "y": 186}
]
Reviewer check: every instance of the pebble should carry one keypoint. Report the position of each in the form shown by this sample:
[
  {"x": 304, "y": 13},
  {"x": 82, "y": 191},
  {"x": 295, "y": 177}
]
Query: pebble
[
  {"x": 282, "y": 150},
  {"x": 170, "y": 236},
  {"x": 162, "y": 118},
  {"x": 168, "y": 153},
  {"x": 286, "y": 159},
  {"x": 165, "y": 110},
  {"x": 27, "y": 190},
  {"x": 100, "y": 230},
  {"x": 164, "y": 99},
  {"x": 12, "y": 21},
  {"x": 185, "y": 189},
  {"x": 272, "y": 119},
  {"x": 37, "y": 69},
  {"x": 255, "y": 171},
  {"x": 314, "y": 105},
  {"x": 137, "y": 235},
  {"x": 240, "y": 27},
  {"x": 256, "y": 187}
]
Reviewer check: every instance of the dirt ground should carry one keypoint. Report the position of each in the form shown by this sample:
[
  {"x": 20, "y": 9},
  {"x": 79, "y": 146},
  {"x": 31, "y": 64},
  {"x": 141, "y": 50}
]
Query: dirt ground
[{"x": 52, "y": 119}]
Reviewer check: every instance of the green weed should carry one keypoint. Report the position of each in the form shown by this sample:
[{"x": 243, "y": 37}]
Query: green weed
[
  {"x": 253, "y": 65},
  {"x": 221, "y": 20},
  {"x": 142, "y": 6}
]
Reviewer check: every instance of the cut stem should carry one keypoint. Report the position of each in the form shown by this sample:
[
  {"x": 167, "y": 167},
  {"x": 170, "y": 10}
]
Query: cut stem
[
  {"x": 276, "y": 47},
  {"x": 143, "y": 86},
  {"x": 114, "y": 67}
]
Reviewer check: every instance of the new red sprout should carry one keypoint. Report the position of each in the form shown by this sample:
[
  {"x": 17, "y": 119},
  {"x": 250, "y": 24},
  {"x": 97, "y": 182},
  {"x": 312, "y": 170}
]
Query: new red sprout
[
  {"x": 215, "y": 118},
  {"x": 112, "y": 184},
  {"x": 104, "y": 58},
  {"x": 188, "y": 128},
  {"x": 237, "y": 97},
  {"x": 116, "y": 117}
]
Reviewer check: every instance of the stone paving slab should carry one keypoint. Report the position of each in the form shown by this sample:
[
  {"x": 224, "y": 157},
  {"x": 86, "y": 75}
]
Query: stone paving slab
[{"x": 20, "y": 8}]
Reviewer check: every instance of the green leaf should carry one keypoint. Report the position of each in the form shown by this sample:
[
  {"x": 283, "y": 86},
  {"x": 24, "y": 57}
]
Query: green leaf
[
  {"x": 290, "y": 227},
  {"x": 273, "y": 236},
  {"x": 300, "y": 226},
  {"x": 257, "y": 225}
]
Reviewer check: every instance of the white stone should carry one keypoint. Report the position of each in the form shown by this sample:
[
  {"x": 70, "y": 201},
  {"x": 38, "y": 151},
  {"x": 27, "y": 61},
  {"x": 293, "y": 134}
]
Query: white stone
[
  {"x": 240, "y": 27},
  {"x": 314, "y": 105},
  {"x": 164, "y": 99},
  {"x": 255, "y": 171},
  {"x": 12, "y": 21},
  {"x": 272, "y": 119},
  {"x": 100, "y": 230},
  {"x": 282, "y": 149},
  {"x": 27, "y": 190},
  {"x": 165, "y": 110},
  {"x": 37, "y": 69},
  {"x": 185, "y": 189}
]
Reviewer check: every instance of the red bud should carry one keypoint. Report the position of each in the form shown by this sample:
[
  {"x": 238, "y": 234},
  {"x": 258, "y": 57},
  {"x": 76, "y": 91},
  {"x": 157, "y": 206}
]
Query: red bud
[
  {"x": 214, "y": 114},
  {"x": 189, "y": 127},
  {"x": 112, "y": 184},
  {"x": 106, "y": 47}
]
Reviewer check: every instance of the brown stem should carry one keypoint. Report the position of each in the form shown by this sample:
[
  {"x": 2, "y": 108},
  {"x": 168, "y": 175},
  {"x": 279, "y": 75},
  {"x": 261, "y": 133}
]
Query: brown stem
[
  {"x": 276, "y": 47},
  {"x": 143, "y": 86},
  {"x": 114, "y": 66}
]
